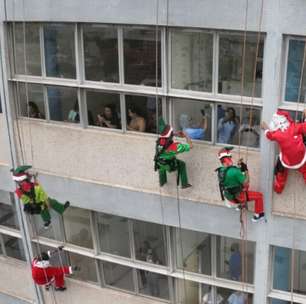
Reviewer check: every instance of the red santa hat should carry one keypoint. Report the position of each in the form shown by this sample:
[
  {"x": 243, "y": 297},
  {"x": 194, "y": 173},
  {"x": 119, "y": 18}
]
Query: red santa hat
[
  {"x": 285, "y": 114},
  {"x": 225, "y": 152}
]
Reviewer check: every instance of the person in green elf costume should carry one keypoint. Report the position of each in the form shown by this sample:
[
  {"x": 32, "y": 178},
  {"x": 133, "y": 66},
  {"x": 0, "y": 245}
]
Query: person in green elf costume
[
  {"x": 33, "y": 196},
  {"x": 165, "y": 155}
]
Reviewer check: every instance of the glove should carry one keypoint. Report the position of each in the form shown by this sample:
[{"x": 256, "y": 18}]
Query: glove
[
  {"x": 243, "y": 166},
  {"x": 76, "y": 268},
  {"x": 27, "y": 208}
]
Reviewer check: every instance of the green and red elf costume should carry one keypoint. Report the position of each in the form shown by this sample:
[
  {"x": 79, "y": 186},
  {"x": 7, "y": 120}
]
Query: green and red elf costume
[
  {"x": 165, "y": 157},
  {"x": 234, "y": 185},
  {"x": 35, "y": 200}
]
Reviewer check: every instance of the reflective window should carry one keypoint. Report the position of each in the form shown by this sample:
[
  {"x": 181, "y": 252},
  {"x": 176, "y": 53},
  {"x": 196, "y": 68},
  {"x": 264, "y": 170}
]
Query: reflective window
[
  {"x": 118, "y": 276},
  {"x": 294, "y": 71},
  {"x": 191, "y": 60},
  {"x": 59, "y": 45},
  {"x": 142, "y": 113},
  {"x": 230, "y": 64},
  {"x": 211, "y": 296},
  {"x": 101, "y": 53},
  {"x": 8, "y": 213},
  {"x": 153, "y": 284},
  {"x": 277, "y": 301},
  {"x": 87, "y": 266},
  {"x": 187, "y": 292},
  {"x": 114, "y": 234},
  {"x": 77, "y": 227},
  {"x": 63, "y": 104},
  {"x": 193, "y": 251},
  {"x": 283, "y": 270},
  {"x": 13, "y": 247},
  {"x": 235, "y": 260},
  {"x": 140, "y": 56},
  {"x": 234, "y": 297},
  {"x": 233, "y": 130},
  {"x": 31, "y": 100},
  {"x": 193, "y": 117},
  {"x": 27, "y": 48},
  {"x": 150, "y": 242},
  {"x": 103, "y": 109}
]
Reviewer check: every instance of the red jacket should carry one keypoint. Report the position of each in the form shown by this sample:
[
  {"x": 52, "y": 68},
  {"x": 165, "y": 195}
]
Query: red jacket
[
  {"x": 292, "y": 149},
  {"x": 43, "y": 273}
]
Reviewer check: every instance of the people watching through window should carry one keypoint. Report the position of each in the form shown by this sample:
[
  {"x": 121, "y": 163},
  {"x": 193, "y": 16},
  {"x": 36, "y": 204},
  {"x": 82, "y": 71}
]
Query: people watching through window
[
  {"x": 208, "y": 298},
  {"x": 227, "y": 126},
  {"x": 234, "y": 263},
  {"x": 136, "y": 121},
  {"x": 193, "y": 129},
  {"x": 108, "y": 118},
  {"x": 74, "y": 114},
  {"x": 249, "y": 131},
  {"x": 34, "y": 111}
]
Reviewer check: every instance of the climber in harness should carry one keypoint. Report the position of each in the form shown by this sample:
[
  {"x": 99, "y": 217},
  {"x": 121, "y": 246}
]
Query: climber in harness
[
  {"x": 165, "y": 156},
  {"x": 43, "y": 273},
  {"x": 234, "y": 185},
  {"x": 34, "y": 198}
]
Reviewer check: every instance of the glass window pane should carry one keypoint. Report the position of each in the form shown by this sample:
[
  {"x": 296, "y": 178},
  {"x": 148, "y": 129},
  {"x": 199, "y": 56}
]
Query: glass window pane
[
  {"x": 87, "y": 266},
  {"x": 101, "y": 53},
  {"x": 153, "y": 284},
  {"x": 60, "y": 50},
  {"x": 294, "y": 71},
  {"x": 187, "y": 292},
  {"x": 193, "y": 251},
  {"x": 58, "y": 257},
  {"x": 118, "y": 276},
  {"x": 142, "y": 112},
  {"x": 234, "y": 297},
  {"x": 193, "y": 117},
  {"x": 14, "y": 247},
  {"x": 233, "y": 130},
  {"x": 63, "y": 104},
  {"x": 114, "y": 234},
  {"x": 230, "y": 64},
  {"x": 211, "y": 296},
  {"x": 140, "y": 56},
  {"x": 103, "y": 109},
  {"x": 8, "y": 213},
  {"x": 77, "y": 227},
  {"x": 150, "y": 242},
  {"x": 27, "y": 47},
  {"x": 232, "y": 264},
  {"x": 277, "y": 301},
  {"x": 191, "y": 60},
  {"x": 34, "y": 107}
]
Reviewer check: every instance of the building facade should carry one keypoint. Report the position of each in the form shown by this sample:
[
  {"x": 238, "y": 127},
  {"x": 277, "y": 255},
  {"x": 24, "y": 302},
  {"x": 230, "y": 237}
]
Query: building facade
[{"x": 83, "y": 85}]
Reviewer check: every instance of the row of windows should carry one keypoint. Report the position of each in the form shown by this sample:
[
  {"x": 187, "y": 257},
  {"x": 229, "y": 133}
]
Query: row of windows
[{"x": 164, "y": 253}]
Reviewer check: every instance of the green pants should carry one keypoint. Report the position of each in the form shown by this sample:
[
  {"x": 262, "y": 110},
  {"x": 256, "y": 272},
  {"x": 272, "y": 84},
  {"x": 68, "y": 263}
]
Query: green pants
[
  {"x": 55, "y": 205},
  {"x": 181, "y": 173}
]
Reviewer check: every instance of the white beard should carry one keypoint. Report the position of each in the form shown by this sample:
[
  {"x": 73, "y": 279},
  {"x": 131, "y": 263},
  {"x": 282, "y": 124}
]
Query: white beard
[{"x": 279, "y": 122}]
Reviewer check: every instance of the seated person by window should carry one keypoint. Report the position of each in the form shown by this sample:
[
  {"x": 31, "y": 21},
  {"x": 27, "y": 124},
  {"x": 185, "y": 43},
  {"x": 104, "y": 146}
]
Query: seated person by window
[
  {"x": 227, "y": 125},
  {"x": 108, "y": 118},
  {"x": 74, "y": 114},
  {"x": 136, "y": 121},
  {"x": 195, "y": 130},
  {"x": 250, "y": 129},
  {"x": 34, "y": 111}
]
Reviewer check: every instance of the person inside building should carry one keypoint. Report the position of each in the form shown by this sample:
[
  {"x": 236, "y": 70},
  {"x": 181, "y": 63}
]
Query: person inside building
[
  {"x": 234, "y": 184},
  {"x": 74, "y": 114},
  {"x": 43, "y": 273},
  {"x": 227, "y": 126},
  {"x": 152, "y": 278},
  {"x": 165, "y": 156},
  {"x": 35, "y": 200},
  {"x": 136, "y": 121},
  {"x": 208, "y": 298},
  {"x": 108, "y": 118},
  {"x": 193, "y": 129},
  {"x": 34, "y": 111},
  {"x": 234, "y": 262},
  {"x": 249, "y": 131},
  {"x": 289, "y": 136},
  {"x": 238, "y": 297}
]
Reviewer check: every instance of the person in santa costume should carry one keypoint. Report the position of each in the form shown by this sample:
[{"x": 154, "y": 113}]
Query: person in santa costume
[
  {"x": 234, "y": 185},
  {"x": 165, "y": 156},
  {"x": 43, "y": 273},
  {"x": 289, "y": 136},
  {"x": 35, "y": 200}
]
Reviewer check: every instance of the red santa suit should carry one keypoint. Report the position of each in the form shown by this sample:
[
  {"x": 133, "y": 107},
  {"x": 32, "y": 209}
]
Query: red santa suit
[
  {"x": 289, "y": 136},
  {"x": 44, "y": 274}
]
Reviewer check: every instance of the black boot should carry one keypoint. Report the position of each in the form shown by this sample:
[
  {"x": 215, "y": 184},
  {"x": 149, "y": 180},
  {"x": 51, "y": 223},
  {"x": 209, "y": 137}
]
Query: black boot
[{"x": 67, "y": 204}]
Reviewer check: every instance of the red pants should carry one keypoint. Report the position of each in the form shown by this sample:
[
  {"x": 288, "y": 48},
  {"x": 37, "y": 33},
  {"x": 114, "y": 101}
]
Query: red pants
[
  {"x": 281, "y": 178},
  {"x": 247, "y": 196},
  {"x": 44, "y": 276}
]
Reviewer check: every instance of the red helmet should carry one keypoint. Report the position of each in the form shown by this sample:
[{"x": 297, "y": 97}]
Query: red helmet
[{"x": 225, "y": 152}]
